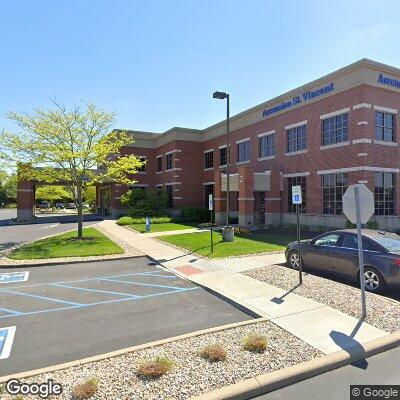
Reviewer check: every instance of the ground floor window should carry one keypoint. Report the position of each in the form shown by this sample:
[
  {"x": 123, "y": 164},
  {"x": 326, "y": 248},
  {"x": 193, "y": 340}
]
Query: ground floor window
[
  {"x": 384, "y": 193},
  {"x": 333, "y": 188},
  {"x": 297, "y": 181},
  {"x": 170, "y": 196},
  {"x": 208, "y": 189}
]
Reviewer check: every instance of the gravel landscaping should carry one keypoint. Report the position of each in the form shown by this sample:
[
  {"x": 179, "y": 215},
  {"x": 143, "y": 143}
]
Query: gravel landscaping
[
  {"x": 383, "y": 313},
  {"x": 191, "y": 375}
]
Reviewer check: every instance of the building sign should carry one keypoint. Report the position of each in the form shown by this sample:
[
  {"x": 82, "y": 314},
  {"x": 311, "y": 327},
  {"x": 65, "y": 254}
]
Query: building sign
[
  {"x": 384, "y": 80},
  {"x": 304, "y": 97}
]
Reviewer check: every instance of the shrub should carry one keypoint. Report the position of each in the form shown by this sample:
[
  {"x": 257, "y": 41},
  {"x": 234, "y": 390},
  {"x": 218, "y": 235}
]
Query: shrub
[
  {"x": 142, "y": 220},
  {"x": 349, "y": 225},
  {"x": 255, "y": 342},
  {"x": 125, "y": 221},
  {"x": 193, "y": 214},
  {"x": 155, "y": 368},
  {"x": 145, "y": 201},
  {"x": 86, "y": 389},
  {"x": 213, "y": 353},
  {"x": 373, "y": 224},
  {"x": 291, "y": 228},
  {"x": 241, "y": 231}
]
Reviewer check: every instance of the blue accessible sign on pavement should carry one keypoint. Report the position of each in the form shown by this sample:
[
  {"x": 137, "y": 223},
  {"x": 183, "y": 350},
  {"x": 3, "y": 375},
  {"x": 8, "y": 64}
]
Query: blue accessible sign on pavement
[
  {"x": 6, "y": 341},
  {"x": 12, "y": 277}
]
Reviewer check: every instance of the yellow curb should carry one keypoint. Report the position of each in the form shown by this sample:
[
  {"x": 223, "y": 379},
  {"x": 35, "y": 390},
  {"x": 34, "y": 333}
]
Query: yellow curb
[
  {"x": 269, "y": 382},
  {"x": 28, "y": 374}
]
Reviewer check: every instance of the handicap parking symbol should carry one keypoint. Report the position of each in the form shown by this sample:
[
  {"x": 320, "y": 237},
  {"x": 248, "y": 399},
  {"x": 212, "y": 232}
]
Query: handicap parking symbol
[
  {"x": 12, "y": 277},
  {"x": 6, "y": 341}
]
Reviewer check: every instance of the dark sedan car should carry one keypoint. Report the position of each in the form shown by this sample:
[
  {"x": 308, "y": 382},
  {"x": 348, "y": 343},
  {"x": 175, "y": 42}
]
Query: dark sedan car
[{"x": 336, "y": 252}]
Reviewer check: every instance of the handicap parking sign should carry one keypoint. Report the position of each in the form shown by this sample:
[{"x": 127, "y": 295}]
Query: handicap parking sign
[
  {"x": 12, "y": 277},
  {"x": 6, "y": 341}
]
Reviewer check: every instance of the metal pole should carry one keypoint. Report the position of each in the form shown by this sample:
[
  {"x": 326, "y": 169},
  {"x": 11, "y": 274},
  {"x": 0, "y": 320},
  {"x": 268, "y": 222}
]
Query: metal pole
[
  {"x": 211, "y": 228},
  {"x": 298, "y": 245},
  {"x": 228, "y": 159},
  {"x": 360, "y": 253}
]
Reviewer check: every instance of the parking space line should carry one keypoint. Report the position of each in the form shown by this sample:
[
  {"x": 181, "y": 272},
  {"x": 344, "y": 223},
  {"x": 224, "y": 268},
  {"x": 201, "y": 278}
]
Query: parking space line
[
  {"x": 159, "y": 276},
  {"x": 141, "y": 284},
  {"x": 94, "y": 290},
  {"x": 15, "y": 312},
  {"x": 40, "y": 297}
]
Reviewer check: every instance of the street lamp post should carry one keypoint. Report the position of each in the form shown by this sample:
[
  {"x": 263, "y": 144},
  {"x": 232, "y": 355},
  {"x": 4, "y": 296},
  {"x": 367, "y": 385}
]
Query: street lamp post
[{"x": 227, "y": 232}]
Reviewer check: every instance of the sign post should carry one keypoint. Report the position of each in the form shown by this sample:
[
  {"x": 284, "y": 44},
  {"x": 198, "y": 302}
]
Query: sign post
[
  {"x": 358, "y": 206},
  {"x": 297, "y": 199},
  {"x": 210, "y": 207}
]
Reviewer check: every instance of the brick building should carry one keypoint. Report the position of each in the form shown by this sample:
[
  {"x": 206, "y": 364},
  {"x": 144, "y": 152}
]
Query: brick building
[{"x": 335, "y": 131}]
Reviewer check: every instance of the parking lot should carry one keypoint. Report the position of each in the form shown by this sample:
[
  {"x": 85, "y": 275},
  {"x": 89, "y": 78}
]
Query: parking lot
[{"x": 66, "y": 312}]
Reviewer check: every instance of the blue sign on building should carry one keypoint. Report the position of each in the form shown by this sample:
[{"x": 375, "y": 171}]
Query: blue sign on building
[
  {"x": 384, "y": 80},
  {"x": 6, "y": 341},
  {"x": 304, "y": 97},
  {"x": 12, "y": 277}
]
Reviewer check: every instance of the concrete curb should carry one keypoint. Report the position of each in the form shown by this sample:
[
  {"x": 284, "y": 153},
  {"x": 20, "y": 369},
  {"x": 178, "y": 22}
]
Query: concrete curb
[
  {"x": 269, "y": 382},
  {"x": 29, "y": 374}
]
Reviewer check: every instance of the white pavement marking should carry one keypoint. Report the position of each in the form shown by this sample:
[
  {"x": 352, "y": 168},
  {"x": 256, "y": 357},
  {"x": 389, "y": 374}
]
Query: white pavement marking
[
  {"x": 6, "y": 341},
  {"x": 50, "y": 226},
  {"x": 12, "y": 277}
]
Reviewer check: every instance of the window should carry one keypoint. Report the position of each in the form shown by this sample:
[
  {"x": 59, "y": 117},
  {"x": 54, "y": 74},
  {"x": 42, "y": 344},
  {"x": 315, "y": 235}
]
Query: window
[
  {"x": 384, "y": 193},
  {"x": 335, "y": 129},
  {"x": 384, "y": 126},
  {"x": 330, "y": 239},
  {"x": 297, "y": 139},
  {"x": 209, "y": 159},
  {"x": 169, "y": 161},
  {"x": 159, "y": 164},
  {"x": 350, "y": 241},
  {"x": 243, "y": 151},
  {"x": 297, "y": 181},
  {"x": 170, "y": 196},
  {"x": 267, "y": 145},
  {"x": 143, "y": 167},
  {"x": 208, "y": 189},
  {"x": 333, "y": 188},
  {"x": 223, "y": 156}
]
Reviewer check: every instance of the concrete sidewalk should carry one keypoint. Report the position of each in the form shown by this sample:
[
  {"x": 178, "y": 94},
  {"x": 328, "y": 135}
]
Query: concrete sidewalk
[{"x": 321, "y": 326}]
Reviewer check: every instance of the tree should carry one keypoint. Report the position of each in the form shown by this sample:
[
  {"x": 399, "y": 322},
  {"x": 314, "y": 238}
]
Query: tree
[
  {"x": 89, "y": 195},
  {"x": 52, "y": 193},
  {"x": 70, "y": 146},
  {"x": 8, "y": 187}
]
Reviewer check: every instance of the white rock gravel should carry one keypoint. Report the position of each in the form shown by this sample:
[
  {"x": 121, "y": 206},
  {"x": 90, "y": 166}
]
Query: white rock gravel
[
  {"x": 191, "y": 375},
  {"x": 382, "y": 312}
]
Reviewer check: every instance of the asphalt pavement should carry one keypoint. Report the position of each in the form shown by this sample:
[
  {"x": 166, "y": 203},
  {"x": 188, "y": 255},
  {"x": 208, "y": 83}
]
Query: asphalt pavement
[
  {"x": 67, "y": 312},
  {"x": 382, "y": 369}
]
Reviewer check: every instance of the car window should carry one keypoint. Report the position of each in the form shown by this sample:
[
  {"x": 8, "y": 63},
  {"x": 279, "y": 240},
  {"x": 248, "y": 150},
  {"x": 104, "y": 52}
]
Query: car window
[
  {"x": 390, "y": 242},
  {"x": 329, "y": 239},
  {"x": 350, "y": 241}
]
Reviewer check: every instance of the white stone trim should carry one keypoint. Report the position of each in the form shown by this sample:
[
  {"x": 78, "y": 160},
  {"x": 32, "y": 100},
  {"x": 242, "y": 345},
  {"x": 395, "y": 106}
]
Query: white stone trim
[
  {"x": 236, "y": 173},
  {"x": 31, "y": 190},
  {"x": 362, "y": 154},
  {"x": 362, "y": 140},
  {"x": 209, "y": 169},
  {"x": 223, "y": 146},
  {"x": 265, "y": 158},
  {"x": 243, "y": 162},
  {"x": 176, "y": 190},
  {"x": 296, "y": 174},
  {"x": 140, "y": 185},
  {"x": 177, "y": 198},
  {"x": 385, "y": 109},
  {"x": 362, "y": 123},
  {"x": 296, "y": 124},
  {"x": 294, "y": 153},
  {"x": 176, "y": 176},
  {"x": 246, "y": 198},
  {"x": 242, "y": 140},
  {"x": 266, "y": 133},
  {"x": 222, "y": 166},
  {"x": 220, "y": 198},
  {"x": 169, "y": 170},
  {"x": 333, "y": 145},
  {"x": 160, "y": 155},
  {"x": 208, "y": 183},
  {"x": 272, "y": 199},
  {"x": 159, "y": 185},
  {"x": 362, "y": 105},
  {"x": 173, "y": 151},
  {"x": 385, "y": 143},
  {"x": 354, "y": 169},
  {"x": 361, "y": 181},
  {"x": 173, "y": 183},
  {"x": 334, "y": 113},
  {"x": 208, "y": 151},
  {"x": 118, "y": 198},
  {"x": 141, "y": 172},
  {"x": 263, "y": 173},
  {"x": 159, "y": 172}
]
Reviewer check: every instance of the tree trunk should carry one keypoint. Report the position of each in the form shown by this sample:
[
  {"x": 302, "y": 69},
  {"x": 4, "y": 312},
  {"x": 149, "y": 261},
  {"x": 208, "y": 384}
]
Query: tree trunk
[{"x": 80, "y": 211}]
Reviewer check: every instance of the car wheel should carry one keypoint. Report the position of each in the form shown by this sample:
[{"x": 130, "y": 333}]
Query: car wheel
[
  {"x": 294, "y": 260},
  {"x": 373, "y": 280}
]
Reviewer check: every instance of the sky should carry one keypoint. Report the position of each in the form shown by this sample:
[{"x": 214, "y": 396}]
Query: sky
[{"x": 157, "y": 63}]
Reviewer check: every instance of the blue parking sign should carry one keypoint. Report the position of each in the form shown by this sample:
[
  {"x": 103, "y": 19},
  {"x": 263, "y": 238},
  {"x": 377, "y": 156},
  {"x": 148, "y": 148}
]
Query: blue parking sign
[{"x": 12, "y": 277}]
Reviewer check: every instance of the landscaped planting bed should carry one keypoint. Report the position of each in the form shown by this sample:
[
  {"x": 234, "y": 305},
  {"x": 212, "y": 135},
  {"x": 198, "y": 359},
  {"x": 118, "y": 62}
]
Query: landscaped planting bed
[
  {"x": 188, "y": 373},
  {"x": 382, "y": 312}
]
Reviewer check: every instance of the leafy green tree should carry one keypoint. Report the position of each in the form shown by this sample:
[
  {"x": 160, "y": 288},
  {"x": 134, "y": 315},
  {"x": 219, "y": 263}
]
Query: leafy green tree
[
  {"x": 144, "y": 202},
  {"x": 72, "y": 146},
  {"x": 8, "y": 187},
  {"x": 52, "y": 193},
  {"x": 89, "y": 196}
]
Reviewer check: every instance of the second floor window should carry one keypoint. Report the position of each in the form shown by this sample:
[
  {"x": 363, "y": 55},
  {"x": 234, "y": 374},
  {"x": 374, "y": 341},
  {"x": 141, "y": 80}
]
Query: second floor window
[
  {"x": 384, "y": 126},
  {"x": 223, "y": 156},
  {"x": 243, "y": 151},
  {"x": 335, "y": 129},
  {"x": 169, "y": 161},
  {"x": 143, "y": 167},
  {"x": 297, "y": 139},
  {"x": 267, "y": 145},
  {"x": 209, "y": 159},
  {"x": 159, "y": 164}
]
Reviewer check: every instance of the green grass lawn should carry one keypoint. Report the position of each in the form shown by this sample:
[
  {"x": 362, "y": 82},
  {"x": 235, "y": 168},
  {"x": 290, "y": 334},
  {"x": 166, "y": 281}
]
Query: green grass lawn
[
  {"x": 246, "y": 244},
  {"x": 170, "y": 226},
  {"x": 66, "y": 245}
]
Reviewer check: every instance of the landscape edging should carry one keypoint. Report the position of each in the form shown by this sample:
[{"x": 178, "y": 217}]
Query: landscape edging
[{"x": 271, "y": 381}]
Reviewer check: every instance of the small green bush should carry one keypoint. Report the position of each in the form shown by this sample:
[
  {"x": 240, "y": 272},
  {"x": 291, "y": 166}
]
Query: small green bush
[
  {"x": 349, "y": 225},
  {"x": 213, "y": 353},
  {"x": 142, "y": 220},
  {"x": 196, "y": 215},
  {"x": 155, "y": 368},
  {"x": 124, "y": 221},
  {"x": 241, "y": 231},
  {"x": 373, "y": 224},
  {"x": 255, "y": 342}
]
